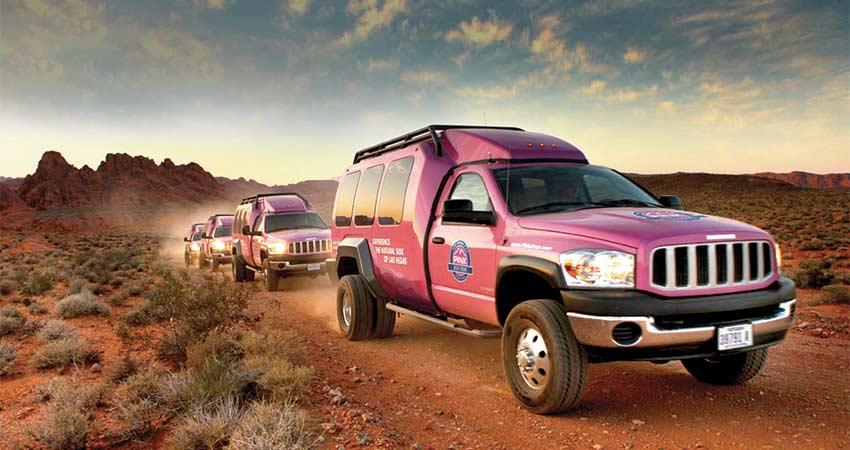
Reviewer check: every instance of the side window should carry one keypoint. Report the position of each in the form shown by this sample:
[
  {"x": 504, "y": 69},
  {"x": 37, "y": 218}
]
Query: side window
[
  {"x": 470, "y": 186},
  {"x": 367, "y": 196},
  {"x": 258, "y": 223},
  {"x": 345, "y": 200},
  {"x": 391, "y": 205}
]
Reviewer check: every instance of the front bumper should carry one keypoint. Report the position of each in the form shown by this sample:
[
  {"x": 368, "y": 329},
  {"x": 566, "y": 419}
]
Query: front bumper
[
  {"x": 223, "y": 258},
  {"x": 299, "y": 265},
  {"x": 663, "y": 329}
]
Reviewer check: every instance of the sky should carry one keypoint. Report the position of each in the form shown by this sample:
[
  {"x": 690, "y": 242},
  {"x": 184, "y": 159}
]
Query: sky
[{"x": 282, "y": 91}]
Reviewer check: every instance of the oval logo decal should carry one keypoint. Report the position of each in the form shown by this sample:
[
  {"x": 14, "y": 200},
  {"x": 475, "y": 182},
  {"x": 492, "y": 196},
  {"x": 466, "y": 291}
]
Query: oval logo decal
[
  {"x": 460, "y": 262},
  {"x": 676, "y": 216}
]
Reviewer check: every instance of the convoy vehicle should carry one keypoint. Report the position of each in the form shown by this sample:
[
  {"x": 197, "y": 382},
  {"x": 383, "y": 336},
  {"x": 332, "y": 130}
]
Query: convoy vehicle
[
  {"x": 192, "y": 239},
  {"x": 574, "y": 262},
  {"x": 215, "y": 246},
  {"x": 278, "y": 235}
]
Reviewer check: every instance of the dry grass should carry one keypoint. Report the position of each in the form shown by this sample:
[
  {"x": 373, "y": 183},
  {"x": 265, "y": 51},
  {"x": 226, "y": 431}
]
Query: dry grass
[
  {"x": 64, "y": 352},
  {"x": 82, "y": 304}
]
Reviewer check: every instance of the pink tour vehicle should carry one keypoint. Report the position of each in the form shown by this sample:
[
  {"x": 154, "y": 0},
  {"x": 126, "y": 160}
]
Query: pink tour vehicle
[
  {"x": 487, "y": 228},
  {"x": 193, "y": 240},
  {"x": 279, "y": 235},
  {"x": 215, "y": 247}
]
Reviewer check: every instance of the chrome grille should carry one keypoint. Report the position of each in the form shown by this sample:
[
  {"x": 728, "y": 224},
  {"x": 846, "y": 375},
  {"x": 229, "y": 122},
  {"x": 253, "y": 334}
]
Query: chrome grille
[
  {"x": 697, "y": 266},
  {"x": 312, "y": 246}
]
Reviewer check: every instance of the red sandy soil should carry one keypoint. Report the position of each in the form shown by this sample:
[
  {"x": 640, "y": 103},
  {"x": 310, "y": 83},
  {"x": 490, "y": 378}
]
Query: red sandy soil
[{"x": 431, "y": 388}]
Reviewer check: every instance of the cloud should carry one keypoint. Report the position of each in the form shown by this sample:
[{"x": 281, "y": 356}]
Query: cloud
[
  {"x": 549, "y": 47},
  {"x": 478, "y": 33},
  {"x": 176, "y": 51},
  {"x": 595, "y": 87},
  {"x": 634, "y": 56},
  {"x": 629, "y": 95},
  {"x": 296, "y": 7},
  {"x": 382, "y": 65},
  {"x": 426, "y": 77},
  {"x": 485, "y": 94},
  {"x": 370, "y": 17},
  {"x": 217, "y": 5},
  {"x": 70, "y": 16}
]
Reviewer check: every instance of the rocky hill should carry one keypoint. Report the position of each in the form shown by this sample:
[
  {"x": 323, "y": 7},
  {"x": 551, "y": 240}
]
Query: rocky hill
[{"x": 811, "y": 180}]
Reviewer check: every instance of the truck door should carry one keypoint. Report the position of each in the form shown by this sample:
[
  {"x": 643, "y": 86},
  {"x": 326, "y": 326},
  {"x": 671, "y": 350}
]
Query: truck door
[
  {"x": 462, "y": 256},
  {"x": 257, "y": 242}
]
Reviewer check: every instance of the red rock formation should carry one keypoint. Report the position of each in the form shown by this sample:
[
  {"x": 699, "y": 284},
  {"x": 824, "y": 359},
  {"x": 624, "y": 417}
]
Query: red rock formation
[{"x": 811, "y": 180}]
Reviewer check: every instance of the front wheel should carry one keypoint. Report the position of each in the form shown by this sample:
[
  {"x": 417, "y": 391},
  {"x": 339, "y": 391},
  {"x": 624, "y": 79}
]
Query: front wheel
[
  {"x": 727, "y": 370},
  {"x": 271, "y": 276},
  {"x": 215, "y": 265},
  {"x": 202, "y": 262},
  {"x": 238, "y": 269},
  {"x": 354, "y": 308},
  {"x": 544, "y": 364}
]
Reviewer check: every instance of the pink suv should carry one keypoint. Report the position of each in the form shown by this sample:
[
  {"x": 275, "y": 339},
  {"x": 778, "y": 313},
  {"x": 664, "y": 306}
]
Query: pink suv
[
  {"x": 278, "y": 235},
  {"x": 193, "y": 243},
  {"x": 503, "y": 228},
  {"x": 215, "y": 248}
]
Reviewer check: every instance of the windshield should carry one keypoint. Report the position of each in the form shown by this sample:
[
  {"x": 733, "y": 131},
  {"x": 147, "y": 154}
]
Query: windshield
[
  {"x": 197, "y": 236},
  {"x": 293, "y": 221},
  {"x": 542, "y": 189},
  {"x": 222, "y": 231}
]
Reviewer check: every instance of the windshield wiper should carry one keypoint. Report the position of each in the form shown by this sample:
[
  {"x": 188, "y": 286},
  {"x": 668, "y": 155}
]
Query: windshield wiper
[
  {"x": 626, "y": 202},
  {"x": 550, "y": 205}
]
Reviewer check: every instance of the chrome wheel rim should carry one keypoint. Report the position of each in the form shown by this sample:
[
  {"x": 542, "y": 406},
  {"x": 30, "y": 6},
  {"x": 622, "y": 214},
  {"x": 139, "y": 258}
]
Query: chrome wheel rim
[
  {"x": 532, "y": 358},
  {"x": 346, "y": 309}
]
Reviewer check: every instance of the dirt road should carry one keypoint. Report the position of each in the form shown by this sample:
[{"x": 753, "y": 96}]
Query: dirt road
[{"x": 439, "y": 389}]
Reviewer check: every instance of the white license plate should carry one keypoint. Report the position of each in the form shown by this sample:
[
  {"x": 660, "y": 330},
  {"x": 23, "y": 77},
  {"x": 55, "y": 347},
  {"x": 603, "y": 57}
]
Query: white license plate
[
  {"x": 735, "y": 336},
  {"x": 312, "y": 267}
]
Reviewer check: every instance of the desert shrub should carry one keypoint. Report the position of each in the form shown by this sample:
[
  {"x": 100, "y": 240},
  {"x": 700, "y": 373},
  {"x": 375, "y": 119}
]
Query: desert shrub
[
  {"x": 279, "y": 380},
  {"x": 136, "y": 288},
  {"x": 81, "y": 304},
  {"x": 267, "y": 426},
  {"x": 63, "y": 352},
  {"x": 118, "y": 298},
  {"x": 38, "y": 283},
  {"x": 32, "y": 326},
  {"x": 78, "y": 285},
  {"x": 8, "y": 355},
  {"x": 56, "y": 329},
  {"x": 122, "y": 368},
  {"x": 138, "y": 317},
  {"x": 36, "y": 308},
  {"x": 215, "y": 380},
  {"x": 834, "y": 294},
  {"x": 67, "y": 422},
  {"x": 11, "y": 311},
  {"x": 10, "y": 325},
  {"x": 813, "y": 273},
  {"x": 7, "y": 287},
  {"x": 207, "y": 426},
  {"x": 189, "y": 310},
  {"x": 220, "y": 346},
  {"x": 139, "y": 404}
]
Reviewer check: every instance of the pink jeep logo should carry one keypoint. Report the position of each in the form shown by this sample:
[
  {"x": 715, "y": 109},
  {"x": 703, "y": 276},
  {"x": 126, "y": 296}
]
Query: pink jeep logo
[
  {"x": 676, "y": 216},
  {"x": 460, "y": 264}
]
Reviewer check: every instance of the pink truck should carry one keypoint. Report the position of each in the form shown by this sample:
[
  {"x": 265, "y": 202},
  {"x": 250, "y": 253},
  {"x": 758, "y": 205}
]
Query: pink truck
[
  {"x": 278, "y": 235},
  {"x": 497, "y": 231},
  {"x": 193, "y": 243},
  {"x": 215, "y": 247}
]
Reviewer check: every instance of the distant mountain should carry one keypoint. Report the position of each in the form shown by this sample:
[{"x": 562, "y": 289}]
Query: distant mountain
[
  {"x": 811, "y": 180},
  {"x": 119, "y": 179},
  {"x": 11, "y": 183}
]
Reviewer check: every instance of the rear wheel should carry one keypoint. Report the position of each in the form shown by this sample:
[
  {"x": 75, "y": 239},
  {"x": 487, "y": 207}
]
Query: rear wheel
[
  {"x": 354, "y": 308},
  {"x": 727, "y": 370},
  {"x": 187, "y": 259},
  {"x": 384, "y": 320},
  {"x": 215, "y": 264},
  {"x": 249, "y": 274},
  {"x": 238, "y": 269},
  {"x": 271, "y": 276},
  {"x": 544, "y": 364}
]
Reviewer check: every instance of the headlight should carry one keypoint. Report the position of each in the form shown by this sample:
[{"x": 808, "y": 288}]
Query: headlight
[
  {"x": 277, "y": 248},
  {"x": 778, "y": 257},
  {"x": 599, "y": 268},
  {"x": 218, "y": 245},
  {"x": 194, "y": 247}
]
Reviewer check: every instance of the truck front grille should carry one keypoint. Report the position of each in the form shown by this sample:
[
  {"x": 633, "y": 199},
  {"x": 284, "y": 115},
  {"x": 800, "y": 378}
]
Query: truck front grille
[
  {"x": 707, "y": 265},
  {"x": 312, "y": 246}
]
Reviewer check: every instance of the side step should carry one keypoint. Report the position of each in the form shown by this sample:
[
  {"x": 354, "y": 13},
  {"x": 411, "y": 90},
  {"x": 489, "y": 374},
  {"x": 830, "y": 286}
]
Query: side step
[{"x": 444, "y": 323}]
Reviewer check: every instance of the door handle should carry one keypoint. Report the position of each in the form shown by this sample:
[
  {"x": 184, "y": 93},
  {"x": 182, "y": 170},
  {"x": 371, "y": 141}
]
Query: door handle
[{"x": 438, "y": 240}]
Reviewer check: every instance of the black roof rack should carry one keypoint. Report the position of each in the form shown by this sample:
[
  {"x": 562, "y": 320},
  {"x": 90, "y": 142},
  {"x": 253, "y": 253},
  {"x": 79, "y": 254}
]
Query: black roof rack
[
  {"x": 220, "y": 215},
  {"x": 272, "y": 194},
  {"x": 428, "y": 132}
]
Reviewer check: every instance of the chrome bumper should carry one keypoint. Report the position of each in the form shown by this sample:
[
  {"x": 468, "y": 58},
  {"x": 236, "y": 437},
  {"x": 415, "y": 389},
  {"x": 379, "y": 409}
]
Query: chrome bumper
[{"x": 597, "y": 331}]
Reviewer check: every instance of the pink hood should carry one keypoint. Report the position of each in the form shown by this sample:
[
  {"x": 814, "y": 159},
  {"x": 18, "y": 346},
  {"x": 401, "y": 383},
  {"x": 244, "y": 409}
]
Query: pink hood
[
  {"x": 301, "y": 235},
  {"x": 635, "y": 226}
]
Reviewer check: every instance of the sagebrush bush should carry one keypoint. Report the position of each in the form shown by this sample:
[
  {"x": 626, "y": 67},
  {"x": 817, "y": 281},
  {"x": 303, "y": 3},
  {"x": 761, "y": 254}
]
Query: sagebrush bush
[
  {"x": 215, "y": 380},
  {"x": 56, "y": 329},
  {"x": 38, "y": 283},
  {"x": 122, "y": 368},
  {"x": 207, "y": 426},
  {"x": 37, "y": 308},
  {"x": 139, "y": 404},
  {"x": 221, "y": 346},
  {"x": 67, "y": 422},
  {"x": 268, "y": 426},
  {"x": 11, "y": 311},
  {"x": 279, "y": 380},
  {"x": 82, "y": 304},
  {"x": 118, "y": 298},
  {"x": 10, "y": 325},
  {"x": 813, "y": 273},
  {"x": 64, "y": 352},
  {"x": 834, "y": 294},
  {"x": 8, "y": 356},
  {"x": 7, "y": 287}
]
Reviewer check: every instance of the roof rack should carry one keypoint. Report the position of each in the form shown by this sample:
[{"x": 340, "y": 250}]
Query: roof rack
[
  {"x": 272, "y": 194},
  {"x": 428, "y": 132}
]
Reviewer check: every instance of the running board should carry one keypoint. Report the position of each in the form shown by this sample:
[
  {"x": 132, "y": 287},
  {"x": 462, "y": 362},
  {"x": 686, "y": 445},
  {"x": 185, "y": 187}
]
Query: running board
[{"x": 443, "y": 323}]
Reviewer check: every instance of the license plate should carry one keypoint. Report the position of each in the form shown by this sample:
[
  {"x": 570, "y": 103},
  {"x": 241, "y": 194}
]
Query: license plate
[
  {"x": 312, "y": 267},
  {"x": 735, "y": 336}
]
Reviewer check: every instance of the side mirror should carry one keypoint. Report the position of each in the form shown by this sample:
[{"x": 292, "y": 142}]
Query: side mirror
[
  {"x": 671, "y": 201},
  {"x": 185, "y": 239},
  {"x": 246, "y": 230},
  {"x": 460, "y": 211},
  {"x": 204, "y": 236}
]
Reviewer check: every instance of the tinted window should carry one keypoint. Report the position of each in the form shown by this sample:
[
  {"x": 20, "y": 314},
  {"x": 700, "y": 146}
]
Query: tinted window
[
  {"x": 296, "y": 221},
  {"x": 196, "y": 236},
  {"x": 391, "y": 206},
  {"x": 222, "y": 231},
  {"x": 470, "y": 186},
  {"x": 367, "y": 196},
  {"x": 345, "y": 199}
]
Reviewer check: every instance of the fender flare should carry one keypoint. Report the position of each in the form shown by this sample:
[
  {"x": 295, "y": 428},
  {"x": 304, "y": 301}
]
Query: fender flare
[
  {"x": 236, "y": 250},
  {"x": 358, "y": 249},
  {"x": 548, "y": 270}
]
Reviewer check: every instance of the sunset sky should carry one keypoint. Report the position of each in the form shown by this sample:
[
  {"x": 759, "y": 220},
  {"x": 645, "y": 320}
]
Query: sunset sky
[{"x": 282, "y": 91}]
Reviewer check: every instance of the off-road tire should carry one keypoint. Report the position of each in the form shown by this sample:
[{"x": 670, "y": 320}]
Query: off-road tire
[
  {"x": 362, "y": 307},
  {"x": 383, "y": 321},
  {"x": 249, "y": 274},
  {"x": 271, "y": 277},
  {"x": 238, "y": 269},
  {"x": 187, "y": 259},
  {"x": 202, "y": 262},
  {"x": 567, "y": 375},
  {"x": 727, "y": 370},
  {"x": 215, "y": 265}
]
